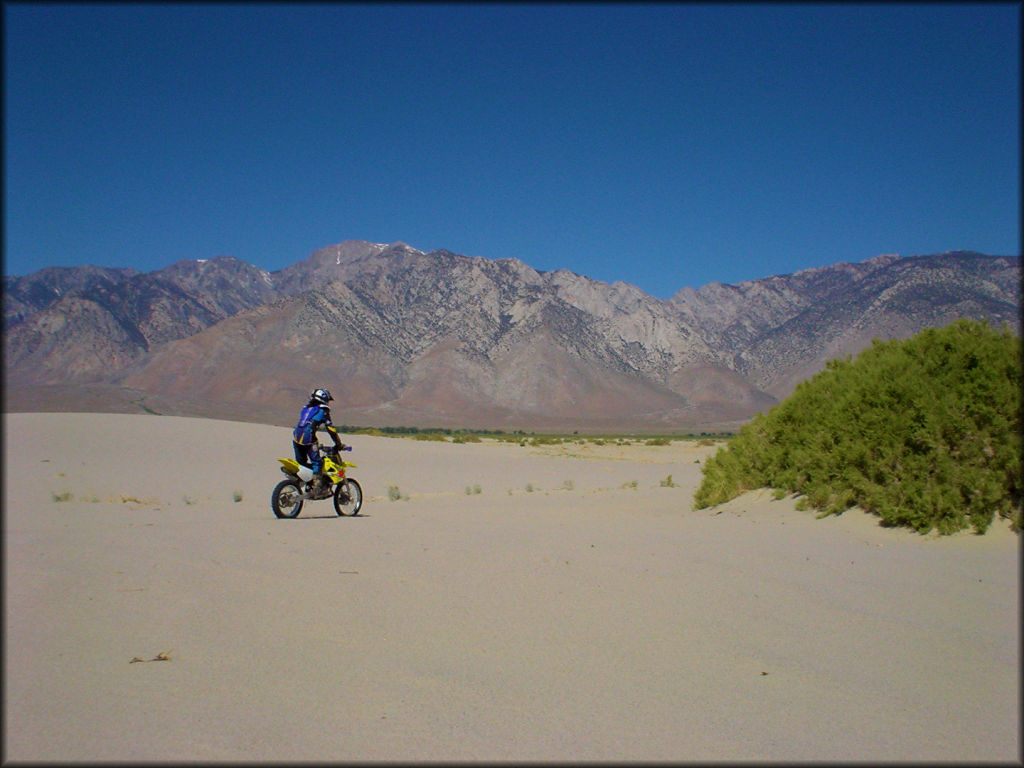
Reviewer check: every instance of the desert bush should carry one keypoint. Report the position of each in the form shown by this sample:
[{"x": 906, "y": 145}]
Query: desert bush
[
  {"x": 923, "y": 432},
  {"x": 546, "y": 440},
  {"x": 394, "y": 493}
]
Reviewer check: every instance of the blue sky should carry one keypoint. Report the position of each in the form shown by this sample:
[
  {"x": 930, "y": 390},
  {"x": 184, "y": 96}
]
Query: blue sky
[{"x": 663, "y": 145}]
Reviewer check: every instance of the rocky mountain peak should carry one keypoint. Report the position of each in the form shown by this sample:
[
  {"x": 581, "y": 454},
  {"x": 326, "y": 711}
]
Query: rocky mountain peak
[{"x": 437, "y": 338}]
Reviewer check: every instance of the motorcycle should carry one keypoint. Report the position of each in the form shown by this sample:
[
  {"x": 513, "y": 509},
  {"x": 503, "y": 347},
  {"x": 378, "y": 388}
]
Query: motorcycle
[{"x": 288, "y": 496}]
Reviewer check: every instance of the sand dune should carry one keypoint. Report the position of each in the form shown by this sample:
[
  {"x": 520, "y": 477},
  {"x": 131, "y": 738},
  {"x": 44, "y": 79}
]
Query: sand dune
[{"x": 594, "y": 616}]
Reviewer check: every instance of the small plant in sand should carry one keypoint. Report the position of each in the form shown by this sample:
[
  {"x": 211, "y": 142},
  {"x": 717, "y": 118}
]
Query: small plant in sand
[
  {"x": 667, "y": 483},
  {"x": 395, "y": 493},
  {"x": 568, "y": 485},
  {"x": 546, "y": 440},
  {"x": 529, "y": 488},
  {"x": 659, "y": 441},
  {"x": 61, "y": 496},
  {"x": 472, "y": 491},
  {"x": 631, "y": 484},
  {"x": 237, "y": 496},
  {"x": 189, "y": 500}
]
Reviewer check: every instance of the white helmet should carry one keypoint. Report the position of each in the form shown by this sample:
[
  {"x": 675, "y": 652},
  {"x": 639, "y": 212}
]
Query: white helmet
[{"x": 321, "y": 396}]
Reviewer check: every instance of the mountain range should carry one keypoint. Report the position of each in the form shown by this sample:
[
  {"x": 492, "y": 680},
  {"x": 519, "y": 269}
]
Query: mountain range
[{"x": 406, "y": 337}]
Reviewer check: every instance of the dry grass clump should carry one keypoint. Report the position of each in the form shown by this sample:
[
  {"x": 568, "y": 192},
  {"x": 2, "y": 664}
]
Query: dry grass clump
[{"x": 162, "y": 656}]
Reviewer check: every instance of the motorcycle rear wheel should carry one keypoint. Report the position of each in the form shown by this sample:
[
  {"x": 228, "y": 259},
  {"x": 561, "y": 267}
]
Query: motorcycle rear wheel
[
  {"x": 348, "y": 497},
  {"x": 286, "y": 499}
]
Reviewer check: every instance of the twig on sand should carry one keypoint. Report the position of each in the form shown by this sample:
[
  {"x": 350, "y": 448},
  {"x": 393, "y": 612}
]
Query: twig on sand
[{"x": 162, "y": 656}]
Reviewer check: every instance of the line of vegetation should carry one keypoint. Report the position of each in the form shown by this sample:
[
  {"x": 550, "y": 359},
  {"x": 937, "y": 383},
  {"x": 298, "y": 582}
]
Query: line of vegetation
[
  {"x": 923, "y": 432},
  {"x": 408, "y": 431},
  {"x": 463, "y": 435}
]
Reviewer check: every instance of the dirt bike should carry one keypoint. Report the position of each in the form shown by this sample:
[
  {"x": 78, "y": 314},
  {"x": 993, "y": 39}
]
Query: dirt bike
[{"x": 288, "y": 496}]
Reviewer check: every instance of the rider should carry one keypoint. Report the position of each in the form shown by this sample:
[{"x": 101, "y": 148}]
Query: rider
[{"x": 315, "y": 415}]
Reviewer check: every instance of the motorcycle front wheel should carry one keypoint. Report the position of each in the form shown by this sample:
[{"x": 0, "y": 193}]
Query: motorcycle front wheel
[
  {"x": 348, "y": 497},
  {"x": 286, "y": 499}
]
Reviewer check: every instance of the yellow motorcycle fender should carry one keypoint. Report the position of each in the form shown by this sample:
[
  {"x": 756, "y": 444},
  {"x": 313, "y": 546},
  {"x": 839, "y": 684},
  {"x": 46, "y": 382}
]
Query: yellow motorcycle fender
[{"x": 292, "y": 467}]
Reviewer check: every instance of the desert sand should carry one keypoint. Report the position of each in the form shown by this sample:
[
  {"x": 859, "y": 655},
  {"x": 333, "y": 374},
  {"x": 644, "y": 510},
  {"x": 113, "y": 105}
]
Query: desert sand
[{"x": 574, "y": 609}]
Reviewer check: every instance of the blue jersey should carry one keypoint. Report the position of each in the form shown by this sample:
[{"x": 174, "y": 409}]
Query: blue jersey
[{"x": 310, "y": 420}]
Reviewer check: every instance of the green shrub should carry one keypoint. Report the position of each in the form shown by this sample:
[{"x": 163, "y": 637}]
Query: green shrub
[{"x": 924, "y": 432}]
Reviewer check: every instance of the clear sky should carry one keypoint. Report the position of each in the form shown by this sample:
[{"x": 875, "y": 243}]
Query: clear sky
[{"x": 663, "y": 145}]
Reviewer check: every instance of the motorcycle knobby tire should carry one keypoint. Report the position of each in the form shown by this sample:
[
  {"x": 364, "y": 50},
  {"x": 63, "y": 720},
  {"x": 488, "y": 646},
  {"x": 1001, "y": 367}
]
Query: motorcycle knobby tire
[
  {"x": 286, "y": 499},
  {"x": 348, "y": 497}
]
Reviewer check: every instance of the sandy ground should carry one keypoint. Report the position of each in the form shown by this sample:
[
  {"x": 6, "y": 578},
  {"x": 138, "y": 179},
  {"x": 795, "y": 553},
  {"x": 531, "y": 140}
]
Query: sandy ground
[{"x": 594, "y": 617}]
